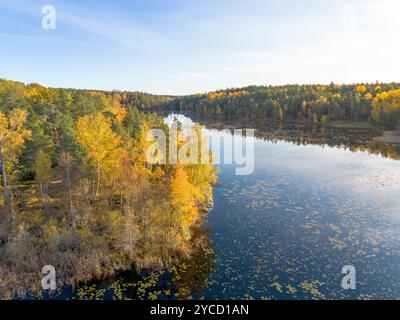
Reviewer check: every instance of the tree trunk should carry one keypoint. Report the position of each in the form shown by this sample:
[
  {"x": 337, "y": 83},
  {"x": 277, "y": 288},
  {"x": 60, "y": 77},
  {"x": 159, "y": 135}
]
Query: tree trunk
[
  {"x": 6, "y": 195},
  {"x": 71, "y": 212},
  {"x": 44, "y": 200},
  {"x": 98, "y": 180}
]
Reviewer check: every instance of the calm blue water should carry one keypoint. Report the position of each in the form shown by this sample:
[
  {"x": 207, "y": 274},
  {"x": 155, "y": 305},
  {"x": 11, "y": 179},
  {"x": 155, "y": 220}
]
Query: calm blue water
[{"x": 286, "y": 230}]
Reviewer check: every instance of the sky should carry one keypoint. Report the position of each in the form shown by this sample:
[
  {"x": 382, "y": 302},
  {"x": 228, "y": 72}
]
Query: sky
[{"x": 187, "y": 46}]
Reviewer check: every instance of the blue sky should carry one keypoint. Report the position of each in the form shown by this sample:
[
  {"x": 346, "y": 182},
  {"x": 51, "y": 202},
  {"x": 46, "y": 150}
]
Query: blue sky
[{"x": 187, "y": 46}]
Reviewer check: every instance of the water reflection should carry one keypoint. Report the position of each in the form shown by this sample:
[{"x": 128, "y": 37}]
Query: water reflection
[
  {"x": 184, "y": 280},
  {"x": 354, "y": 139}
]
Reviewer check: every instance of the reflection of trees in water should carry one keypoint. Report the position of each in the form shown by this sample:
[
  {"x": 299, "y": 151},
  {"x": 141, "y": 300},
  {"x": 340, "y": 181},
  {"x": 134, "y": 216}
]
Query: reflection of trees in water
[
  {"x": 185, "y": 279},
  {"x": 353, "y": 139},
  {"x": 191, "y": 277}
]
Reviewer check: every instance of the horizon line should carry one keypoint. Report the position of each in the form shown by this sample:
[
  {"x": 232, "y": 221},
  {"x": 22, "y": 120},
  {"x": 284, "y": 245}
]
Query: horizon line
[{"x": 203, "y": 92}]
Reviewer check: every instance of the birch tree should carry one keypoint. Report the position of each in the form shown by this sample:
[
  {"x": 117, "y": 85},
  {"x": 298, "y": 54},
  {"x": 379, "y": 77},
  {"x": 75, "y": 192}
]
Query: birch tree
[{"x": 12, "y": 138}]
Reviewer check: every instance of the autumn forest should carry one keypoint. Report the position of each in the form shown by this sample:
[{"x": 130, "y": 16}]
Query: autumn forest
[
  {"x": 78, "y": 192},
  {"x": 318, "y": 105}
]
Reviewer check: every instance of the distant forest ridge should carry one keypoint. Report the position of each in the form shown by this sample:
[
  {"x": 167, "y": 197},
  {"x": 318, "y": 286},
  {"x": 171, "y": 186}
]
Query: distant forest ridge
[{"x": 376, "y": 103}]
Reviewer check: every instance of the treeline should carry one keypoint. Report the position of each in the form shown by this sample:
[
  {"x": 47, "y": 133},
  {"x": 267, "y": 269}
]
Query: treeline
[
  {"x": 78, "y": 193},
  {"x": 377, "y": 103}
]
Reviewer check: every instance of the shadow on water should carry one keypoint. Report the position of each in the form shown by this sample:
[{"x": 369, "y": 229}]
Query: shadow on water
[{"x": 186, "y": 279}]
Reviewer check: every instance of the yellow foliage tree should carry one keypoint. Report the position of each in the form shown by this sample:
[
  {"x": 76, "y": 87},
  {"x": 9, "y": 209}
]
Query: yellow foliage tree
[
  {"x": 386, "y": 108},
  {"x": 142, "y": 145},
  {"x": 12, "y": 139},
  {"x": 368, "y": 96},
  {"x": 117, "y": 110},
  {"x": 102, "y": 145},
  {"x": 183, "y": 200},
  {"x": 202, "y": 175},
  {"x": 361, "y": 88}
]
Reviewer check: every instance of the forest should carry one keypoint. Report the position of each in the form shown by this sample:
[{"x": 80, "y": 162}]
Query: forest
[
  {"x": 317, "y": 105},
  {"x": 78, "y": 193}
]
